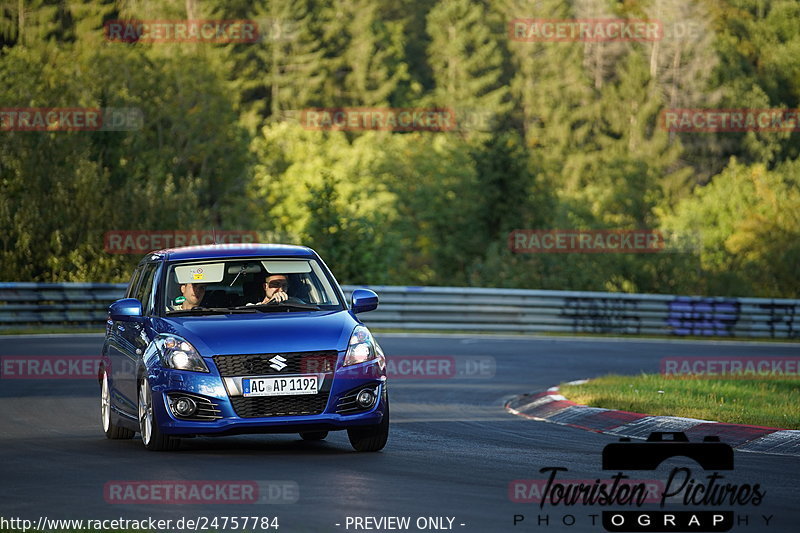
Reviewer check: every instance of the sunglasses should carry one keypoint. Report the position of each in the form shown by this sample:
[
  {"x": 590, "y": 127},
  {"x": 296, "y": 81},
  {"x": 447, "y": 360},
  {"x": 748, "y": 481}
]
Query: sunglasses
[{"x": 277, "y": 284}]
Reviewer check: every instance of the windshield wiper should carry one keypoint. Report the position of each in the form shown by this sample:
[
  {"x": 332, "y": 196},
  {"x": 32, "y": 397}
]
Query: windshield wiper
[
  {"x": 199, "y": 311},
  {"x": 279, "y": 306},
  {"x": 274, "y": 306}
]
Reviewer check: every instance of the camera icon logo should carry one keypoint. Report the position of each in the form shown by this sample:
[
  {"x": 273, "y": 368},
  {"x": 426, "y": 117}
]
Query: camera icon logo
[{"x": 711, "y": 454}]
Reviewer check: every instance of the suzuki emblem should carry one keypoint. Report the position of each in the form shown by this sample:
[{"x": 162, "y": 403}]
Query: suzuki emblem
[{"x": 278, "y": 363}]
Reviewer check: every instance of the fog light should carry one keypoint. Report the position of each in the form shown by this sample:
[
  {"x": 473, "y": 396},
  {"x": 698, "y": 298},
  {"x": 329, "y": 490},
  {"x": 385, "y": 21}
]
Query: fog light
[
  {"x": 184, "y": 407},
  {"x": 365, "y": 398}
]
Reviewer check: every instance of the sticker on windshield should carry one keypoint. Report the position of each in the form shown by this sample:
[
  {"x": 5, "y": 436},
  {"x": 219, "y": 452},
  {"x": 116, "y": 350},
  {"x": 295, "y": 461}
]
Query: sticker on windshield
[{"x": 205, "y": 273}]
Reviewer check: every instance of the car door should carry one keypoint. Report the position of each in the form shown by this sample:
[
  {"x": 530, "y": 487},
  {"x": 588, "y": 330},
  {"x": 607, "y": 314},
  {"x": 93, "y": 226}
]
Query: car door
[
  {"x": 133, "y": 339},
  {"x": 116, "y": 348}
]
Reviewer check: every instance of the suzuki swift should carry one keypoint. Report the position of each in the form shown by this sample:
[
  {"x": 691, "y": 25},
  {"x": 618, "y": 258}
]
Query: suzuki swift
[{"x": 231, "y": 339}]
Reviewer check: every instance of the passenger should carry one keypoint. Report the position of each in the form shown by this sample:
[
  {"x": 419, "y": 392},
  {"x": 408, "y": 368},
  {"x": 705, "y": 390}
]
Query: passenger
[{"x": 192, "y": 296}]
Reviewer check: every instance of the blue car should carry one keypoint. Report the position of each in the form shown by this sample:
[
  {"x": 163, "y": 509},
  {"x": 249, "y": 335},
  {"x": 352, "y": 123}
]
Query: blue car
[{"x": 231, "y": 339}]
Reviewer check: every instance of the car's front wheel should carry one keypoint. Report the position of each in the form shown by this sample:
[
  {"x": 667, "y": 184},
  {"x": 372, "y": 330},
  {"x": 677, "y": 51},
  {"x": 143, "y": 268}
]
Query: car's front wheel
[
  {"x": 152, "y": 438},
  {"x": 111, "y": 430},
  {"x": 371, "y": 438}
]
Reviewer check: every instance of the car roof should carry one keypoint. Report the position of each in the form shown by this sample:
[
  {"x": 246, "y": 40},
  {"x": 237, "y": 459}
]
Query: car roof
[{"x": 213, "y": 251}]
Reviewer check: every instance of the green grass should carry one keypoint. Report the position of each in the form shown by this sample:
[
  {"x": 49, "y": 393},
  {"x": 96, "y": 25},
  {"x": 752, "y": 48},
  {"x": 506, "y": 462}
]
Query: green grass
[{"x": 772, "y": 402}]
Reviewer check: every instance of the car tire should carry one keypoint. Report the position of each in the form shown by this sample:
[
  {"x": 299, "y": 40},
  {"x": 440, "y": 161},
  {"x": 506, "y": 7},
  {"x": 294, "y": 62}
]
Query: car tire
[
  {"x": 111, "y": 430},
  {"x": 313, "y": 435},
  {"x": 371, "y": 438},
  {"x": 152, "y": 438}
]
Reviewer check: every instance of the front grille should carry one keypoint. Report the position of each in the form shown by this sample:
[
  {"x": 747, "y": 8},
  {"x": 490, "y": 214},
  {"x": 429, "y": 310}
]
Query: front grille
[
  {"x": 206, "y": 409},
  {"x": 260, "y": 364},
  {"x": 298, "y": 405}
]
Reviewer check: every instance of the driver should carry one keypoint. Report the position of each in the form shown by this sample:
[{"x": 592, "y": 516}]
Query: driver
[
  {"x": 192, "y": 296},
  {"x": 275, "y": 286}
]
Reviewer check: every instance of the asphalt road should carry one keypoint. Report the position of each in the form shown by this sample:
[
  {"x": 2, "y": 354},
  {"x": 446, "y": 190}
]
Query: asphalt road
[{"x": 453, "y": 450}]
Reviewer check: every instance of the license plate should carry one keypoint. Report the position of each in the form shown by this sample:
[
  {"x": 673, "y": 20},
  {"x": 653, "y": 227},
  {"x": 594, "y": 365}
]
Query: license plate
[{"x": 279, "y": 386}]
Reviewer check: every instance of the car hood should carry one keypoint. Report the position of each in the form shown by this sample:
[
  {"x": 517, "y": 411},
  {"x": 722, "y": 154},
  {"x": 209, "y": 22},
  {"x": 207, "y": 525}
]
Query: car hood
[{"x": 262, "y": 332}]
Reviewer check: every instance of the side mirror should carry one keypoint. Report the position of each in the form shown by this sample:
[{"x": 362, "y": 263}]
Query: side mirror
[
  {"x": 363, "y": 300},
  {"x": 125, "y": 309}
]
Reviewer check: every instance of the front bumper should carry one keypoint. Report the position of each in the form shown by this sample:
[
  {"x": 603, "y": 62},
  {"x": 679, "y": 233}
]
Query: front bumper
[{"x": 210, "y": 386}]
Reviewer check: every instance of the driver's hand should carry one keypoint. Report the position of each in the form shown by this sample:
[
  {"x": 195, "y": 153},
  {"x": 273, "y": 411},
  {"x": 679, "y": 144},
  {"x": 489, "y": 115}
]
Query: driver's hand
[{"x": 278, "y": 297}]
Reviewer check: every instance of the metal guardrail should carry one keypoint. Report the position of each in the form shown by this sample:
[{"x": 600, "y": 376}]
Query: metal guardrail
[
  {"x": 54, "y": 304},
  {"x": 466, "y": 309}
]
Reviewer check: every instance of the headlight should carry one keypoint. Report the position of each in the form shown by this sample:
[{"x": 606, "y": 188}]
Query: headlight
[
  {"x": 178, "y": 353},
  {"x": 361, "y": 347}
]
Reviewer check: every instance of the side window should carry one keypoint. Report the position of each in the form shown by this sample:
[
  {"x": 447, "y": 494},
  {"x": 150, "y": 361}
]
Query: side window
[
  {"x": 133, "y": 282},
  {"x": 145, "y": 288}
]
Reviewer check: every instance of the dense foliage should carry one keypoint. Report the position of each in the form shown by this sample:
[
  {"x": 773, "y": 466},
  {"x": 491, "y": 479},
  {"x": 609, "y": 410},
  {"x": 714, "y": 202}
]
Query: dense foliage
[{"x": 550, "y": 135}]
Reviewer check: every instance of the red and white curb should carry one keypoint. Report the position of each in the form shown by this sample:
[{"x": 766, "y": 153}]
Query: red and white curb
[{"x": 550, "y": 406}]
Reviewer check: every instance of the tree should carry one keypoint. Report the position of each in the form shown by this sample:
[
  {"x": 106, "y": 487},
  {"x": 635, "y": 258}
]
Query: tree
[
  {"x": 374, "y": 64},
  {"x": 466, "y": 58},
  {"x": 746, "y": 226},
  {"x": 28, "y": 22},
  {"x": 353, "y": 242}
]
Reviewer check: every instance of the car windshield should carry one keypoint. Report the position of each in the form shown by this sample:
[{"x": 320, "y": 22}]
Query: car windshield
[{"x": 248, "y": 285}]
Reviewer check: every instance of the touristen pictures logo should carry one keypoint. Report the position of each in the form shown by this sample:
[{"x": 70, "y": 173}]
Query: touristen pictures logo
[{"x": 709, "y": 500}]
